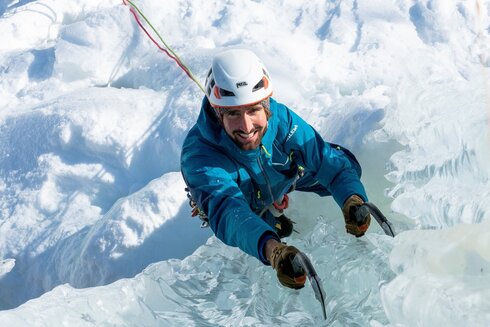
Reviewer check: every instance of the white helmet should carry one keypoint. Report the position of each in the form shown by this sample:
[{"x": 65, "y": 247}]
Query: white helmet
[{"x": 237, "y": 78}]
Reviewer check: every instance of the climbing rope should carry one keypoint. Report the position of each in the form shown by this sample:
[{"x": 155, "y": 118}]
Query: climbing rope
[{"x": 167, "y": 50}]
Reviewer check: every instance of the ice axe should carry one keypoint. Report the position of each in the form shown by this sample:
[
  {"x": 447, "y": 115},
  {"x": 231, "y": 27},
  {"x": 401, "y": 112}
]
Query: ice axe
[
  {"x": 301, "y": 265},
  {"x": 369, "y": 208}
]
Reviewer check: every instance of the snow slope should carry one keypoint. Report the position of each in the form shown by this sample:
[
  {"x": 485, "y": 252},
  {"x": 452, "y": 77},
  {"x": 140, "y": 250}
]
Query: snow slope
[{"x": 94, "y": 222}]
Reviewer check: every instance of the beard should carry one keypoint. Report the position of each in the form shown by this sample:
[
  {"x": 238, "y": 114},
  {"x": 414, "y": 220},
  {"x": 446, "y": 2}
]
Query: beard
[{"x": 249, "y": 141}]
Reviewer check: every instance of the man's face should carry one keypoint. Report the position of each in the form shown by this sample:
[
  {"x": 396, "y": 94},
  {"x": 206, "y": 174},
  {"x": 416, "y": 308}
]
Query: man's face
[{"x": 246, "y": 126}]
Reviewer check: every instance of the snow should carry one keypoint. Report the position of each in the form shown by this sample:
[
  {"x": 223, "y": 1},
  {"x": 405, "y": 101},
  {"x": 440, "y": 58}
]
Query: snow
[{"x": 95, "y": 228}]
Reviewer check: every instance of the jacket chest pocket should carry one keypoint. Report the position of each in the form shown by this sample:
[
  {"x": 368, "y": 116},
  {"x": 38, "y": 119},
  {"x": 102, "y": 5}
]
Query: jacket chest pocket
[
  {"x": 250, "y": 190},
  {"x": 281, "y": 161}
]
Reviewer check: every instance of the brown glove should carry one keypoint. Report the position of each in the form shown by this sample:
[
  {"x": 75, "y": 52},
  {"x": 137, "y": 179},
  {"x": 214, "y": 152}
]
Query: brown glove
[
  {"x": 353, "y": 227},
  {"x": 281, "y": 261}
]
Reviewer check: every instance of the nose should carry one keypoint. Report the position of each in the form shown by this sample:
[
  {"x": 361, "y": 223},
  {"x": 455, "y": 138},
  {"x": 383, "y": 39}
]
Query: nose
[{"x": 246, "y": 123}]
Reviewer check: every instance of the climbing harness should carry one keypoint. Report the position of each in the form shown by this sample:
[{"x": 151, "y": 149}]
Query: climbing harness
[
  {"x": 196, "y": 211},
  {"x": 284, "y": 226},
  {"x": 283, "y": 205}
]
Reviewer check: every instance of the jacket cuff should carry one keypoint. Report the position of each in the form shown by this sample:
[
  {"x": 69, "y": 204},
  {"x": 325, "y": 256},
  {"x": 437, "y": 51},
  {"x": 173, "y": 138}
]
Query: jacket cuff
[{"x": 262, "y": 241}]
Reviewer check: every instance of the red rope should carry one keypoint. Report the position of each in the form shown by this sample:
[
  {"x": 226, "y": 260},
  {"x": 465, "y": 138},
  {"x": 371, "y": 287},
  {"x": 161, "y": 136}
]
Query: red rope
[{"x": 135, "y": 14}]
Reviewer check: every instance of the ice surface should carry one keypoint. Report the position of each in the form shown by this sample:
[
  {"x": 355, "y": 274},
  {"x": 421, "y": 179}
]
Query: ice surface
[
  {"x": 455, "y": 265},
  {"x": 222, "y": 286},
  {"x": 94, "y": 222}
]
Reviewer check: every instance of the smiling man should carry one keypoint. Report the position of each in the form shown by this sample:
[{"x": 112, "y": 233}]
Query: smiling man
[
  {"x": 247, "y": 151},
  {"x": 246, "y": 126}
]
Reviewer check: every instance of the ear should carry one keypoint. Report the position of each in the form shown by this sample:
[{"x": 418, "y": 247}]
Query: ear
[
  {"x": 268, "y": 113},
  {"x": 219, "y": 115}
]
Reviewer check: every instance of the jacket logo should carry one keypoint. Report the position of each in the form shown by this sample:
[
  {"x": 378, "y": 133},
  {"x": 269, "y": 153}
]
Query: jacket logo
[
  {"x": 240, "y": 84},
  {"x": 291, "y": 133}
]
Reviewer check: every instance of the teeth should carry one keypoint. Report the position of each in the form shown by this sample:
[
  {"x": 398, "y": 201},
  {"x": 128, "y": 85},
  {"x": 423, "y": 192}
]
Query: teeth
[{"x": 246, "y": 136}]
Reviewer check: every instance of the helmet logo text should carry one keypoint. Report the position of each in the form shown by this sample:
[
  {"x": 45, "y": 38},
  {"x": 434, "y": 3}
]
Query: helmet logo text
[{"x": 240, "y": 84}]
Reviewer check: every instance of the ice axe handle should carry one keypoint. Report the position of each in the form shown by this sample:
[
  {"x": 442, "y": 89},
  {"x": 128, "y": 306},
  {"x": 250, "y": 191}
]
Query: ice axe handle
[
  {"x": 301, "y": 264},
  {"x": 369, "y": 208},
  {"x": 360, "y": 213}
]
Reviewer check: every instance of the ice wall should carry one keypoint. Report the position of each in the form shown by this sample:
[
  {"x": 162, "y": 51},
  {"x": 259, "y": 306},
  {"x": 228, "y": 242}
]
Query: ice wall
[{"x": 91, "y": 121}]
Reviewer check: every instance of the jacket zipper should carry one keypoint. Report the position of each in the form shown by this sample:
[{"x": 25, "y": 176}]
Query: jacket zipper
[{"x": 259, "y": 161}]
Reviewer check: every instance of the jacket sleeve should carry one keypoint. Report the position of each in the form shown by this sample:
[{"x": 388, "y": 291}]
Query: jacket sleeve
[
  {"x": 336, "y": 170},
  {"x": 211, "y": 178}
]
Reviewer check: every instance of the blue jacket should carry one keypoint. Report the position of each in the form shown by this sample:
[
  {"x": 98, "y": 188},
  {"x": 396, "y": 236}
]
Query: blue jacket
[{"x": 233, "y": 187}]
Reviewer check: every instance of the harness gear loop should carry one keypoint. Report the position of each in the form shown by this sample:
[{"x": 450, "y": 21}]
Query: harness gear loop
[{"x": 196, "y": 211}]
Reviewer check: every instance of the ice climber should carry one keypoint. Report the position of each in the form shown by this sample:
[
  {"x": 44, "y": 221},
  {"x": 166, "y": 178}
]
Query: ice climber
[{"x": 247, "y": 151}]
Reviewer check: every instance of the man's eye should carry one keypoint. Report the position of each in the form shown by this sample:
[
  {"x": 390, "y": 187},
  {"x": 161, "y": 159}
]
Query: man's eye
[{"x": 232, "y": 113}]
